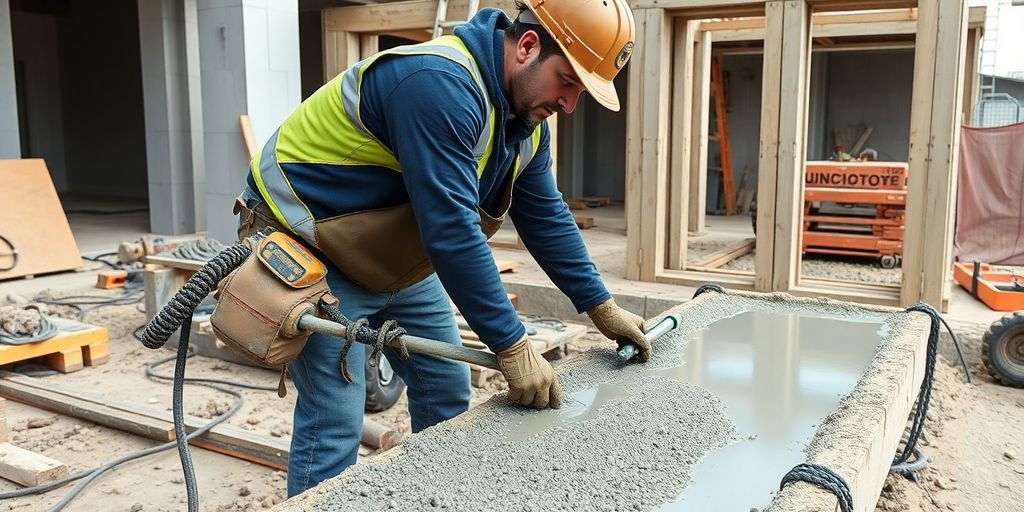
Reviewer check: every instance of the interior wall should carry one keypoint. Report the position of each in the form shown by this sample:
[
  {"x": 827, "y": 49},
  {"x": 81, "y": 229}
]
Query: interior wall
[
  {"x": 10, "y": 145},
  {"x": 741, "y": 75},
  {"x": 605, "y": 161},
  {"x": 874, "y": 88},
  {"x": 101, "y": 92},
  {"x": 36, "y": 51},
  {"x": 311, "y": 51}
]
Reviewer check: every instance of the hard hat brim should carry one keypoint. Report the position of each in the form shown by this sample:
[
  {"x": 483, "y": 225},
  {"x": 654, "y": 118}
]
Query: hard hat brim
[{"x": 602, "y": 90}]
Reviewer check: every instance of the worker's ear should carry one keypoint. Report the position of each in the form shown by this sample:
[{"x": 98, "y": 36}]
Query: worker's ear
[{"x": 528, "y": 47}]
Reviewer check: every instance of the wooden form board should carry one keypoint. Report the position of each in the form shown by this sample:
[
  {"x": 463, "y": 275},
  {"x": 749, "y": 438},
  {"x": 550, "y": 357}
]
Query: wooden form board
[
  {"x": 145, "y": 421},
  {"x": 788, "y": 27},
  {"x": 33, "y": 220}
]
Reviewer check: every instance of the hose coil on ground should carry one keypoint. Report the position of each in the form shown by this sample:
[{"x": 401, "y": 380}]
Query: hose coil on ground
[{"x": 181, "y": 307}]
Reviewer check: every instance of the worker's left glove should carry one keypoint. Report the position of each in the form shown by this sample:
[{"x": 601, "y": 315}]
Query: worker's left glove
[
  {"x": 531, "y": 380},
  {"x": 618, "y": 324}
]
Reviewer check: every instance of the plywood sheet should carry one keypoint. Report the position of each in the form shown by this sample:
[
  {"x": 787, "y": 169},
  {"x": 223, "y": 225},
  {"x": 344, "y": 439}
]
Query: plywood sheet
[{"x": 32, "y": 218}]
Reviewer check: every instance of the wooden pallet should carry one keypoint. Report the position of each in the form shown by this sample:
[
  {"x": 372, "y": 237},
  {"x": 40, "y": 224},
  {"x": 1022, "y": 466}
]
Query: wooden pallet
[
  {"x": 584, "y": 221},
  {"x": 76, "y": 345}
]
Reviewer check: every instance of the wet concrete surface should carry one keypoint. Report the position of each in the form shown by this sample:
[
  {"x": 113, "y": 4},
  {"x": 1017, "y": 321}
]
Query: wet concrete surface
[{"x": 723, "y": 409}]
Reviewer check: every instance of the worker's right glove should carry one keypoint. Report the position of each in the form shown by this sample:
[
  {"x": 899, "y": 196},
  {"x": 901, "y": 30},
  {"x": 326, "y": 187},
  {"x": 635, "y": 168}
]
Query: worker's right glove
[
  {"x": 531, "y": 380},
  {"x": 620, "y": 325}
]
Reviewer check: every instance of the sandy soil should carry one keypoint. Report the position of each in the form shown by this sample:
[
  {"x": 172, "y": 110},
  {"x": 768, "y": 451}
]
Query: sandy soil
[{"x": 973, "y": 435}]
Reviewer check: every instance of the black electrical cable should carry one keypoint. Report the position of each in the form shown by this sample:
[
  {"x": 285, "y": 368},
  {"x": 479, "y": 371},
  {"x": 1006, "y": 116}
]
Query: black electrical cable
[
  {"x": 13, "y": 254},
  {"x": 178, "y": 313},
  {"x": 824, "y": 477},
  {"x": 92, "y": 474}
]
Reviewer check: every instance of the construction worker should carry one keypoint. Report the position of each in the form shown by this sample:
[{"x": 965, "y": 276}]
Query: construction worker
[{"x": 398, "y": 170}]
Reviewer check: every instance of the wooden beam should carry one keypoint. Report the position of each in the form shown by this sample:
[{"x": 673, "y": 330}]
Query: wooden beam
[
  {"x": 699, "y": 134},
  {"x": 341, "y": 50},
  {"x": 681, "y": 130},
  {"x": 398, "y": 16},
  {"x": 723, "y": 256},
  {"x": 936, "y": 107},
  {"x": 943, "y": 160},
  {"x": 29, "y": 468},
  {"x": 768, "y": 152},
  {"x": 368, "y": 44},
  {"x": 972, "y": 78},
  {"x": 145, "y": 421},
  {"x": 792, "y": 137},
  {"x": 3, "y": 420},
  {"x": 646, "y": 146}
]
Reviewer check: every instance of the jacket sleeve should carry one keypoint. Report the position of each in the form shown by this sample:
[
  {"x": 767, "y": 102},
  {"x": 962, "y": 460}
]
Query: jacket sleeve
[
  {"x": 549, "y": 232},
  {"x": 433, "y": 118}
]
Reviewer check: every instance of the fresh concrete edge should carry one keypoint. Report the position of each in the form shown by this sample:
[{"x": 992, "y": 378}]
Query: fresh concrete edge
[
  {"x": 859, "y": 439},
  {"x": 547, "y": 300}
]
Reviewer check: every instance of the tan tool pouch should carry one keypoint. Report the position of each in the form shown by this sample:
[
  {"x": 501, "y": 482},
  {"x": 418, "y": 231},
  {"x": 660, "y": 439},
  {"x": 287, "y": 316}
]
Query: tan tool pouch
[{"x": 259, "y": 305}]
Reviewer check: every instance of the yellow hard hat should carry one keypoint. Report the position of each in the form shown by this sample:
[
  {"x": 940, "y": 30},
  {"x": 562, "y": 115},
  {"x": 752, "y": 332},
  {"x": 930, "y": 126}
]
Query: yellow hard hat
[{"x": 596, "y": 37}]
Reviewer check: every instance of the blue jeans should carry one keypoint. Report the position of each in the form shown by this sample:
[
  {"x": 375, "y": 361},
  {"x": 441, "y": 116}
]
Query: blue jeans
[{"x": 328, "y": 419}]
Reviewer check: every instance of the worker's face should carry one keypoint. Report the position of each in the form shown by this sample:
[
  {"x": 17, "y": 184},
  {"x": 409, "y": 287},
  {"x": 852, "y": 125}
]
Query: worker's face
[{"x": 540, "y": 88}]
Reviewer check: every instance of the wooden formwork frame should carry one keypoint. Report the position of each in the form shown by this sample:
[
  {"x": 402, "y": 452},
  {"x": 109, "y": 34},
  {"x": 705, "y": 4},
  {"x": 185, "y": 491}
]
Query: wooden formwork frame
[{"x": 666, "y": 161}]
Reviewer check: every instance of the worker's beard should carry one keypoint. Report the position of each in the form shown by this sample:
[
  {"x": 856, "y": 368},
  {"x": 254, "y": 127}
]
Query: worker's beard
[{"x": 525, "y": 103}]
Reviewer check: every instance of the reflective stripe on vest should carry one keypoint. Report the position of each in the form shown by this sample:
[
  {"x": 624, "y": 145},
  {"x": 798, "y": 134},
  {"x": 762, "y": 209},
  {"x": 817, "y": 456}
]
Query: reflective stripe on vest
[{"x": 328, "y": 129}]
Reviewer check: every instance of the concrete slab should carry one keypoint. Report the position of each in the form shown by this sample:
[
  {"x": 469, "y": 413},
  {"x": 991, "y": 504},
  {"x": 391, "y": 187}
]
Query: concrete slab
[{"x": 747, "y": 387}]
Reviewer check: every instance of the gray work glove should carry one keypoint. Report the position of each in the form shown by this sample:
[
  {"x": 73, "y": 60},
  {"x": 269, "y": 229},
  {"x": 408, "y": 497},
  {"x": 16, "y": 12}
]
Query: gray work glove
[
  {"x": 531, "y": 380},
  {"x": 618, "y": 324}
]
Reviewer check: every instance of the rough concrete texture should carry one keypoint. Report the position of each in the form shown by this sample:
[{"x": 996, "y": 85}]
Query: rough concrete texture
[{"x": 635, "y": 453}]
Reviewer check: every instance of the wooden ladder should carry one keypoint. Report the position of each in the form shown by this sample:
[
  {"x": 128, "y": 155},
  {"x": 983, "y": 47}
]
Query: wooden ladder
[
  {"x": 722, "y": 136},
  {"x": 441, "y": 19}
]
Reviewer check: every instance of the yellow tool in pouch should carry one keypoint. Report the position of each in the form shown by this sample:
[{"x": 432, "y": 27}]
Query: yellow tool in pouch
[{"x": 259, "y": 304}]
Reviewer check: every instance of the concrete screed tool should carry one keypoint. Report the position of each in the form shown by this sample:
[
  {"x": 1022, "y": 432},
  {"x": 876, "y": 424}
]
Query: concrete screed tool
[{"x": 270, "y": 294}]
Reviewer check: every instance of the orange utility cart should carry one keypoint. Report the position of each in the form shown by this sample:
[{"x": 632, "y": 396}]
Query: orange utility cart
[{"x": 855, "y": 209}]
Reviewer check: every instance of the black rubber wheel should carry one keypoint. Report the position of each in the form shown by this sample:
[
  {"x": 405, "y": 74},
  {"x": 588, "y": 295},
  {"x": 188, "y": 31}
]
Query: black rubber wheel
[
  {"x": 887, "y": 261},
  {"x": 1002, "y": 350},
  {"x": 383, "y": 386}
]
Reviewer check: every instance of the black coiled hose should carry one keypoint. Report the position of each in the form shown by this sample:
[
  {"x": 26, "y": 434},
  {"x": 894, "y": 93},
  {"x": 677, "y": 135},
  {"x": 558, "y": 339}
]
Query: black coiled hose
[
  {"x": 178, "y": 313},
  {"x": 181, "y": 307}
]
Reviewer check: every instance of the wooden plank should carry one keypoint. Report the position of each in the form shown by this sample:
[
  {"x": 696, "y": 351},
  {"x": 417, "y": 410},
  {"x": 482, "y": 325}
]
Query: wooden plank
[
  {"x": 920, "y": 140},
  {"x": 46, "y": 396},
  {"x": 731, "y": 280},
  {"x": 654, "y": 138},
  {"x": 583, "y": 221},
  {"x": 679, "y": 151},
  {"x": 507, "y": 266},
  {"x": 943, "y": 158},
  {"x": 792, "y": 136},
  {"x": 145, "y": 421},
  {"x": 177, "y": 263},
  {"x": 697, "y": 203},
  {"x": 341, "y": 51},
  {"x": 33, "y": 222},
  {"x": 368, "y": 45},
  {"x": 29, "y": 468},
  {"x": 723, "y": 256},
  {"x": 65, "y": 360},
  {"x": 248, "y": 136},
  {"x": 398, "y": 16},
  {"x": 633, "y": 175},
  {"x": 971, "y": 76},
  {"x": 768, "y": 152},
  {"x": 160, "y": 285},
  {"x": 3, "y": 420}
]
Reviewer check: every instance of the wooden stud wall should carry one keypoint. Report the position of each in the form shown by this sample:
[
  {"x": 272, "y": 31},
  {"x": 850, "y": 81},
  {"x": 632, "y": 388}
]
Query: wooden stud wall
[
  {"x": 699, "y": 133},
  {"x": 658, "y": 156}
]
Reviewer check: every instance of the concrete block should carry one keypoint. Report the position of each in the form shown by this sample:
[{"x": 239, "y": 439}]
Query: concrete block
[{"x": 283, "y": 30}]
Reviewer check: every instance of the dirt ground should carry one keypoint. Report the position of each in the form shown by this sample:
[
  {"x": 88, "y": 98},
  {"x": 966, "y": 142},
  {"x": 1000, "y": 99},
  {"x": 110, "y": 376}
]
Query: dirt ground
[{"x": 973, "y": 434}]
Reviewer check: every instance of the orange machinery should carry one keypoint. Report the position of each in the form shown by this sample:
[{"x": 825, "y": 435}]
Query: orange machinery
[
  {"x": 855, "y": 209},
  {"x": 1001, "y": 289}
]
